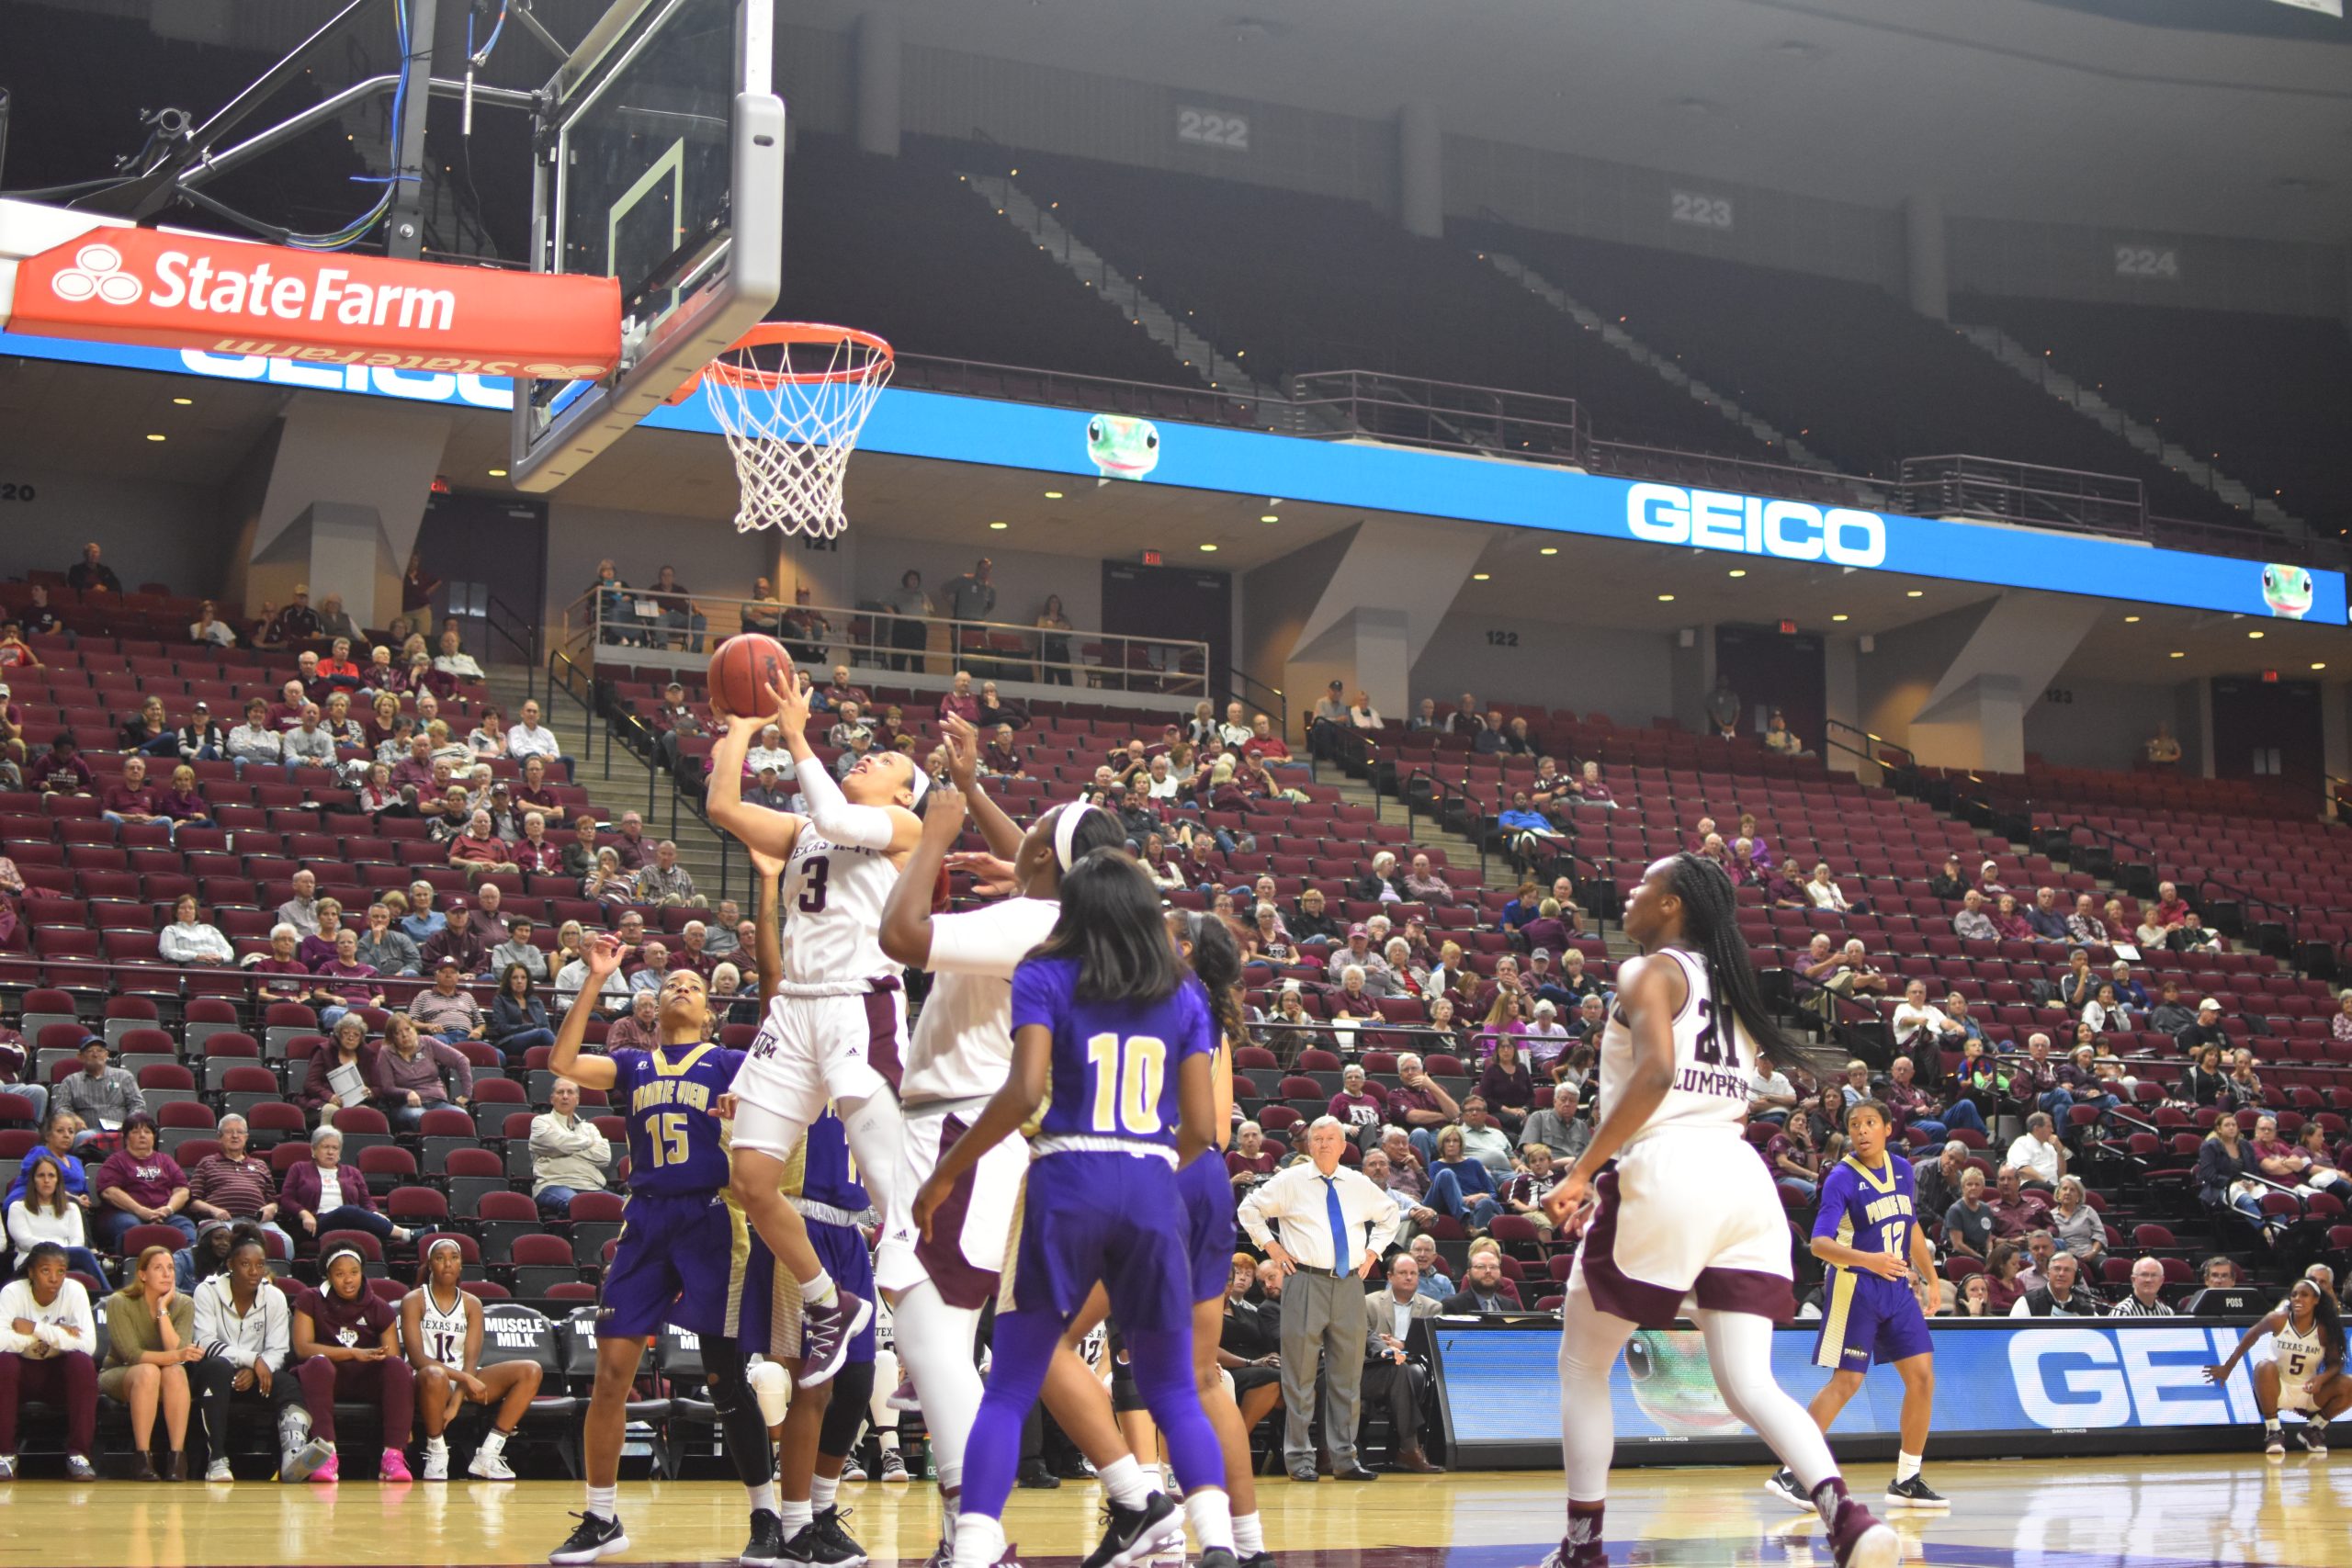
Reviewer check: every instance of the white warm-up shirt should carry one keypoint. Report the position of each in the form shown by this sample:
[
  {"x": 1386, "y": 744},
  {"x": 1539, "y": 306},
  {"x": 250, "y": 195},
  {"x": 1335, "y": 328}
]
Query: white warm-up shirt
[{"x": 963, "y": 1043}]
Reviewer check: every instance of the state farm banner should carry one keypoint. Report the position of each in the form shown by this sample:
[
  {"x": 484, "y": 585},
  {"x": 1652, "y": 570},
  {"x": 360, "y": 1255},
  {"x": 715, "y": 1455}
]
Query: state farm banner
[{"x": 180, "y": 291}]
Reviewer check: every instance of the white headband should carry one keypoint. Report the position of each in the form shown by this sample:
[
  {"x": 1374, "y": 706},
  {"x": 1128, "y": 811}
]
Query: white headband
[
  {"x": 1065, "y": 830},
  {"x": 922, "y": 786}
]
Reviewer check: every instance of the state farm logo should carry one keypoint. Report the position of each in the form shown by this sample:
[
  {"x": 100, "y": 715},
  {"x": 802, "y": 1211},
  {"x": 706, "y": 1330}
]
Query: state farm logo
[{"x": 96, "y": 274}]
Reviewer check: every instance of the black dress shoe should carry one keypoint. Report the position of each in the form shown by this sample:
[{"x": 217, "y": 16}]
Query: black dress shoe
[
  {"x": 1305, "y": 1473},
  {"x": 1352, "y": 1472},
  {"x": 1036, "y": 1476}
]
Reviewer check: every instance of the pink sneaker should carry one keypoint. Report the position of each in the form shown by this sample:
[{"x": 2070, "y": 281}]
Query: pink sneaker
[
  {"x": 329, "y": 1470},
  {"x": 395, "y": 1467}
]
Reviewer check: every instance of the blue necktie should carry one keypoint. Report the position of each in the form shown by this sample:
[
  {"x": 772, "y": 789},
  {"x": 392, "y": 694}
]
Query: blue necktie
[{"x": 1340, "y": 1251}]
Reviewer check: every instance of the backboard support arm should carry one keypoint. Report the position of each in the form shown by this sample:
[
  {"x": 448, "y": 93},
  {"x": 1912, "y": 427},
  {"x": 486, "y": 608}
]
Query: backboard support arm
[{"x": 405, "y": 224}]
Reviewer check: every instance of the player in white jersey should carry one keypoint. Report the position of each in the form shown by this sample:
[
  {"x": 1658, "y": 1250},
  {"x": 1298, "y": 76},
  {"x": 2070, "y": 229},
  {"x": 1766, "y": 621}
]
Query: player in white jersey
[
  {"x": 836, "y": 1029},
  {"x": 2305, "y": 1372},
  {"x": 960, "y": 1056},
  {"x": 1685, "y": 1208},
  {"x": 441, "y": 1329}
]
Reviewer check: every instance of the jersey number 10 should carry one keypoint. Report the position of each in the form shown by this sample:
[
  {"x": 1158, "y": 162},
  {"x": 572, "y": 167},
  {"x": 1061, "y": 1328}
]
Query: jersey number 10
[
  {"x": 1717, "y": 1048},
  {"x": 1129, "y": 1074}
]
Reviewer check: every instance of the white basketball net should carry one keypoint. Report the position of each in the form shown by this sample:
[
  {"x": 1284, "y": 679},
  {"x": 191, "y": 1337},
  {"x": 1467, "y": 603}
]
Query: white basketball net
[{"x": 791, "y": 412}]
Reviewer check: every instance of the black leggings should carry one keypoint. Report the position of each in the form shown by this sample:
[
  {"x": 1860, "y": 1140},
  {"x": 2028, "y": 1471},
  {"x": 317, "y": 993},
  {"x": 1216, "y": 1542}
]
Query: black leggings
[
  {"x": 845, "y": 1411},
  {"x": 738, "y": 1411}
]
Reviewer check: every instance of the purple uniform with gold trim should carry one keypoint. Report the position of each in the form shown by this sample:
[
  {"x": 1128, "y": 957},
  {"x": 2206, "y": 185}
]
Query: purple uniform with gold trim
[
  {"x": 1102, "y": 1202},
  {"x": 821, "y": 1181},
  {"x": 682, "y": 1246},
  {"x": 1866, "y": 1319}
]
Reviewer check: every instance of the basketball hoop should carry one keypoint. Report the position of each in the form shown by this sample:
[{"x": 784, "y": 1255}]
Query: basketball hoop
[{"x": 791, "y": 397}]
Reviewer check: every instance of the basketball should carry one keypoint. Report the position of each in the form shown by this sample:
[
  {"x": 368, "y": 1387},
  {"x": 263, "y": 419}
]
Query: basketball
[{"x": 743, "y": 670}]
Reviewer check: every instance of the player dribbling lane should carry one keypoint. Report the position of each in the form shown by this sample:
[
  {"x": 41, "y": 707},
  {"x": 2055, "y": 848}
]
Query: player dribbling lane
[
  {"x": 1107, "y": 1011},
  {"x": 2306, "y": 1372},
  {"x": 681, "y": 1252},
  {"x": 1876, "y": 1303},
  {"x": 1687, "y": 1210},
  {"x": 836, "y": 1032}
]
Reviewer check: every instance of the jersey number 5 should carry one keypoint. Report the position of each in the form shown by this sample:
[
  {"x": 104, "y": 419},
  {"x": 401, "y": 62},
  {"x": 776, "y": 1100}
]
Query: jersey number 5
[
  {"x": 1717, "y": 1048},
  {"x": 1127, "y": 1079}
]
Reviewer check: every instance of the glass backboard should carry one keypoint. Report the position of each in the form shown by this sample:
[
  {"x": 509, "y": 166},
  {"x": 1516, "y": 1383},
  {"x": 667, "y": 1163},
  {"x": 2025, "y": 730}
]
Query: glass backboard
[{"x": 660, "y": 163}]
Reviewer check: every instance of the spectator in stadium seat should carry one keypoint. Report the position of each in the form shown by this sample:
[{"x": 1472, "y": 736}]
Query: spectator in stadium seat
[
  {"x": 2001, "y": 1269},
  {"x": 237, "y": 1184},
  {"x": 61, "y": 770},
  {"x": 342, "y": 982},
  {"x": 1483, "y": 1291},
  {"x": 210, "y": 628},
  {"x": 105, "y": 1098},
  {"x": 409, "y": 1069},
  {"x": 385, "y": 948},
  {"x": 2245, "y": 1084},
  {"x": 572, "y": 973},
  {"x": 296, "y": 623},
  {"x": 1309, "y": 923},
  {"x": 1973, "y": 924},
  {"x": 319, "y": 946},
  {"x": 2061, "y": 1295},
  {"x": 1264, "y": 742},
  {"x": 1392, "y": 1381},
  {"x": 1916, "y": 1107},
  {"x": 2162, "y": 748},
  {"x": 1949, "y": 884},
  {"x": 1792, "y": 1156},
  {"x": 301, "y": 910},
  {"x": 1506, "y": 1085},
  {"x": 2171, "y": 908},
  {"x": 1971, "y": 1224},
  {"x": 181, "y": 805},
  {"x": 2046, "y": 918},
  {"x": 139, "y": 1185},
  {"x": 91, "y": 575},
  {"x": 149, "y": 733},
  {"x": 422, "y": 922},
  {"x": 43, "y": 1210},
  {"x": 1425, "y": 719},
  {"x": 346, "y": 1346},
  {"x": 1937, "y": 1180},
  {"x": 1484, "y": 1139},
  {"x": 59, "y": 1129},
  {"x": 2085, "y": 925},
  {"x": 282, "y": 970},
  {"x": 2171, "y": 1014},
  {"x": 2016, "y": 1211},
  {"x": 2206, "y": 1031},
  {"x": 638, "y": 1029},
  {"x": 2010, "y": 922},
  {"x": 2321, "y": 1172},
  {"x": 1358, "y": 1106},
  {"x": 2036, "y": 1154},
  {"x": 2076, "y": 1225},
  {"x": 346, "y": 1046},
  {"x": 2077, "y": 984},
  {"x": 49, "y": 1346},
  {"x": 154, "y": 1360},
  {"x": 2193, "y": 935},
  {"x": 568, "y": 1152},
  {"x": 446, "y": 1011},
  {"x": 477, "y": 848},
  {"x": 516, "y": 949},
  {"x": 665, "y": 882}
]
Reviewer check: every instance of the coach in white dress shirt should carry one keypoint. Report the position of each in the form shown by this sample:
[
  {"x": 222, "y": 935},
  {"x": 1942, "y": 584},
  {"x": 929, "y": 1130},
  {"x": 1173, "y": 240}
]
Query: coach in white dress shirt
[{"x": 1323, "y": 1311}]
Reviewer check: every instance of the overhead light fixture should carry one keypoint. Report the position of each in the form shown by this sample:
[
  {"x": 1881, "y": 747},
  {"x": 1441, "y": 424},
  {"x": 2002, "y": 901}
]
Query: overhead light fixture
[
  {"x": 2131, "y": 620},
  {"x": 1666, "y": 598},
  {"x": 2254, "y": 637},
  {"x": 498, "y": 473},
  {"x": 1916, "y": 593},
  {"x": 154, "y": 438},
  {"x": 1841, "y": 617},
  {"x": 183, "y": 402},
  {"x": 1000, "y": 527},
  {"x": 2178, "y": 654},
  {"x": 1270, "y": 517},
  {"x": 1208, "y": 549},
  {"x": 1480, "y": 576},
  {"x": 1052, "y": 495},
  {"x": 1737, "y": 572},
  {"x": 2319, "y": 663},
  {"x": 1549, "y": 550}
]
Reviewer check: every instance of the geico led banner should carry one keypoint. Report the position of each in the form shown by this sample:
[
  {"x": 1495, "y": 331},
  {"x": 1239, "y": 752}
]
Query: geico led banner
[
  {"x": 1715, "y": 520},
  {"x": 1100, "y": 448}
]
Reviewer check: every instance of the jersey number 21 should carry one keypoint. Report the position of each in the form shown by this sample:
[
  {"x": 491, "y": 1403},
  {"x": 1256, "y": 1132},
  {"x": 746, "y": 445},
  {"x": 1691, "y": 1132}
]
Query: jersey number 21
[{"x": 1715, "y": 1047}]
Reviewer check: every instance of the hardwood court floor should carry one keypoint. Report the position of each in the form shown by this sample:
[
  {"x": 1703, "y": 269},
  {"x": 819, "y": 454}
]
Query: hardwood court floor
[{"x": 2204, "y": 1509}]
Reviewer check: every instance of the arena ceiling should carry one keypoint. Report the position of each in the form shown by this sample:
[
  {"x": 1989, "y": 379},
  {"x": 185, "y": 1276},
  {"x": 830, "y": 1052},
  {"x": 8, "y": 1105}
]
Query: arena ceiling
[{"x": 2008, "y": 108}]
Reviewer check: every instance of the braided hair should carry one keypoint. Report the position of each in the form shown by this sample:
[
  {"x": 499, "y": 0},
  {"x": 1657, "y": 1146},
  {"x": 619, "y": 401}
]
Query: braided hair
[
  {"x": 1711, "y": 926},
  {"x": 2327, "y": 1322}
]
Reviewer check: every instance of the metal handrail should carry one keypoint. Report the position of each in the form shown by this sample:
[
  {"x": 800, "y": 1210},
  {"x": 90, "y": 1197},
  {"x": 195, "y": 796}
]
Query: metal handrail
[
  {"x": 2004, "y": 490},
  {"x": 1868, "y": 753},
  {"x": 1175, "y": 665},
  {"x": 1420, "y": 413},
  {"x": 520, "y": 633}
]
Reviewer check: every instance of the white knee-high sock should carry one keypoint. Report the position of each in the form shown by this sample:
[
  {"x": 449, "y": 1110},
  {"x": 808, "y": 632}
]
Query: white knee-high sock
[
  {"x": 1590, "y": 1340},
  {"x": 935, "y": 1341},
  {"x": 886, "y": 1382},
  {"x": 1739, "y": 1348}
]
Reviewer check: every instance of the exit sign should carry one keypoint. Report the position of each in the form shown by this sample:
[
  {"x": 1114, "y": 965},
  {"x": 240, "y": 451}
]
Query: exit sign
[
  {"x": 1787, "y": 628},
  {"x": 2271, "y": 677},
  {"x": 1148, "y": 557}
]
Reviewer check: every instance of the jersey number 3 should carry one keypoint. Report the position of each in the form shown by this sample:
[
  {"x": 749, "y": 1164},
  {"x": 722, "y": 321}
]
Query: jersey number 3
[
  {"x": 1127, "y": 1079},
  {"x": 1715, "y": 1047},
  {"x": 812, "y": 887}
]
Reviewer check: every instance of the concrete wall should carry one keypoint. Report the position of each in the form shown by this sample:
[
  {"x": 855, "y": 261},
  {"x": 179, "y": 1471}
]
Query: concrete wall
[
  {"x": 1627, "y": 675},
  {"x": 709, "y": 557},
  {"x": 152, "y": 532},
  {"x": 2100, "y": 724},
  {"x": 1892, "y": 682}
]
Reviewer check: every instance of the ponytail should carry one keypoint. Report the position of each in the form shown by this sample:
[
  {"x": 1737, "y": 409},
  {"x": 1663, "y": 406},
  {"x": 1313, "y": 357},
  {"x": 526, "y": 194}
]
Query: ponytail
[
  {"x": 1216, "y": 961},
  {"x": 1711, "y": 926}
]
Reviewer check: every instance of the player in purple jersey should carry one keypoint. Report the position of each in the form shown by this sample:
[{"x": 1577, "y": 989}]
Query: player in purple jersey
[
  {"x": 1106, "y": 1010},
  {"x": 1877, "y": 1299},
  {"x": 681, "y": 1252}
]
